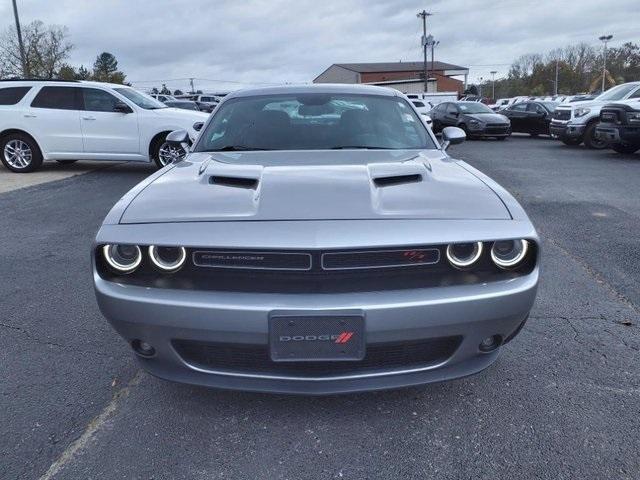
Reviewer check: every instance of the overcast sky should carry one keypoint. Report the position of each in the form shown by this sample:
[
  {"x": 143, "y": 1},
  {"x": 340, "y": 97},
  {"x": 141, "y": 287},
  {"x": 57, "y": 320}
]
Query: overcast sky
[{"x": 272, "y": 41}]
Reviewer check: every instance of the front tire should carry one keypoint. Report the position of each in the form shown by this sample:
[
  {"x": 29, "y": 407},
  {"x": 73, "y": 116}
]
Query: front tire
[
  {"x": 164, "y": 153},
  {"x": 20, "y": 153},
  {"x": 590, "y": 139},
  {"x": 624, "y": 147}
]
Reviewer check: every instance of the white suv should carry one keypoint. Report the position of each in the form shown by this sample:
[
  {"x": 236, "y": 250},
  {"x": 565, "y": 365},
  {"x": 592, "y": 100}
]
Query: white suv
[{"x": 68, "y": 121}]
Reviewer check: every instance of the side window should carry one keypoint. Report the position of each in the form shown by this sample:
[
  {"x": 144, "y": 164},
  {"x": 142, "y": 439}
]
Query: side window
[
  {"x": 418, "y": 104},
  {"x": 12, "y": 95},
  {"x": 520, "y": 107},
  {"x": 452, "y": 109},
  {"x": 60, "y": 98},
  {"x": 96, "y": 100},
  {"x": 635, "y": 94}
]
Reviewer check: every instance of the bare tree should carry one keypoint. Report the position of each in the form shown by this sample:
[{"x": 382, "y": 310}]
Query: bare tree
[{"x": 46, "y": 49}]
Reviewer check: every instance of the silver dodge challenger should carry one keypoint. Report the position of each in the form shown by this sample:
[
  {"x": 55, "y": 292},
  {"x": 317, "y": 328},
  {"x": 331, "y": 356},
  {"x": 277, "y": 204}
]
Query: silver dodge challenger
[{"x": 316, "y": 240}]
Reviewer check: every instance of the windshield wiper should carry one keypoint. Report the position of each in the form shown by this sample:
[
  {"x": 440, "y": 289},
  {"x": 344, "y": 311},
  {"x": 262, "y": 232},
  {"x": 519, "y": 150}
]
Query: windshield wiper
[
  {"x": 236, "y": 148},
  {"x": 364, "y": 147}
]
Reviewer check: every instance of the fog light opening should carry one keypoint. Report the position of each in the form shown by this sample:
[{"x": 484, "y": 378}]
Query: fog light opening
[
  {"x": 142, "y": 348},
  {"x": 489, "y": 344}
]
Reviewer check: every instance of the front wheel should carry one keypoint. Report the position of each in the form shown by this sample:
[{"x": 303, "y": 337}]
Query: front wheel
[
  {"x": 166, "y": 153},
  {"x": 590, "y": 139},
  {"x": 20, "y": 153},
  {"x": 625, "y": 147}
]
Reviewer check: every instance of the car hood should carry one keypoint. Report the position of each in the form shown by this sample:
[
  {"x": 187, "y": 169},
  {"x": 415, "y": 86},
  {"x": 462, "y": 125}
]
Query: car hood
[
  {"x": 315, "y": 185},
  {"x": 488, "y": 117},
  {"x": 181, "y": 114}
]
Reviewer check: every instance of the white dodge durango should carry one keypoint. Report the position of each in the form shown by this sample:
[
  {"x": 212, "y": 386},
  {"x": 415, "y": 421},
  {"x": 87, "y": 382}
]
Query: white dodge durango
[{"x": 76, "y": 120}]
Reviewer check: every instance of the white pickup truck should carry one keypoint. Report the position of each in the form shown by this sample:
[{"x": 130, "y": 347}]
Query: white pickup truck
[
  {"x": 70, "y": 120},
  {"x": 575, "y": 123}
]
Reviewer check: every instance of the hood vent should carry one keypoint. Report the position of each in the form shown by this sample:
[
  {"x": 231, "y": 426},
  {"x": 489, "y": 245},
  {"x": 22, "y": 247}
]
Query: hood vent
[
  {"x": 391, "y": 180},
  {"x": 235, "y": 182}
]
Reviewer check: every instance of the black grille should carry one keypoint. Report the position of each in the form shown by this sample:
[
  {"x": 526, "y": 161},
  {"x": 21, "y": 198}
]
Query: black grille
[
  {"x": 316, "y": 280},
  {"x": 254, "y": 359},
  {"x": 380, "y": 259},
  {"x": 562, "y": 115},
  {"x": 497, "y": 128}
]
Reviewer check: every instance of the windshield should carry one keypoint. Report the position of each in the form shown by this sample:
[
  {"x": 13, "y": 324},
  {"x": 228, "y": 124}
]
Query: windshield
[
  {"x": 617, "y": 93},
  {"x": 474, "y": 107},
  {"x": 140, "y": 99},
  {"x": 551, "y": 106},
  {"x": 314, "y": 121}
]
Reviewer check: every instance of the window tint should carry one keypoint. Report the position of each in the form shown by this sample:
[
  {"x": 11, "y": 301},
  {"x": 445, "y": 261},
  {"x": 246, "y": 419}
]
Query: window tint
[
  {"x": 12, "y": 95},
  {"x": 451, "y": 108},
  {"x": 635, "y": 94},
  {"x": 418, "y": 104},
  {"x": 314, "y": 121},
  {"x": 519, "y": 107},
  {"x": 98, "y": 100},
  {"x": 61, "y": 98}
]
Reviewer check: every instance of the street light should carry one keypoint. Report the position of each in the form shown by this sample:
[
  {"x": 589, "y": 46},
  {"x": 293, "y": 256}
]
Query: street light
[
  {"x": 604, "y": 39},
  {"x": 493, "y": 84}
]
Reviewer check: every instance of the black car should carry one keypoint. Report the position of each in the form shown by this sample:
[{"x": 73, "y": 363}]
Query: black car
[
  {"x": 619, "y": 126},
  {"x": 476, "y": 119},
  {"x": 183, "y": 104},
  {"x": 530, "y": 117}
]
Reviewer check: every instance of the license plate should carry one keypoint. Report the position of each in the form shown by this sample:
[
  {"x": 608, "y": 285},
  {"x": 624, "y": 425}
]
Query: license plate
[{"x": 316, "y": 338}]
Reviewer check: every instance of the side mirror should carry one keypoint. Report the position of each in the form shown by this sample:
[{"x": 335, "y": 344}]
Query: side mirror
[
  {"x": 122, "y": 107},
  {"x": 178, "y": 138},
  {"x": 198, "y": 126},
  {"x": 452, "y": 136}
]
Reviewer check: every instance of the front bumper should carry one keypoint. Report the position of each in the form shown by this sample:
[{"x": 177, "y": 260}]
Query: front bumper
[
  {"x": 473, "y": 312},
  {"x": 566, "y": 130},
  {"x": 490, "y": 132},
  {"x": 618, "y": 134}
]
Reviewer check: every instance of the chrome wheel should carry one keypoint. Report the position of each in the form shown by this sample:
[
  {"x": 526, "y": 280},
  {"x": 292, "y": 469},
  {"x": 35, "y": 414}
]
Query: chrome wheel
[
  {"x": 17, "y": 154},
  {"x": 169, "y": 153}
]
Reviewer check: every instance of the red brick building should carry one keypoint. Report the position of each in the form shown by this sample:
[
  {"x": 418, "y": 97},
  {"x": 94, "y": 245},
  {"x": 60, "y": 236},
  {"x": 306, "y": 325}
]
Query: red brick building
[{"x": 404, "y": 76}]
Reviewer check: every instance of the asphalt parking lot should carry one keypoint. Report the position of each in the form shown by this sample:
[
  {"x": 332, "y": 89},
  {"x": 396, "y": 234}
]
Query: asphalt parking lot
[{"x": 562, "y": 402}]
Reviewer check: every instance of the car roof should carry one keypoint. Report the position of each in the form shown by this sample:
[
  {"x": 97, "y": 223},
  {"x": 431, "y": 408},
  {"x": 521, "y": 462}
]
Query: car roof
[
  {"x": 20, "y": 81},
  {"x": 316, "y": 88}
]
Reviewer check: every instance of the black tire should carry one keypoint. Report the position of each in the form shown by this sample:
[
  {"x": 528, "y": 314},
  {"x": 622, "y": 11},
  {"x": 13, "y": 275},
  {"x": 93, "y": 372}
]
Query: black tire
[
  {"x": 159, "y": 144},
  {"x": 590, "y": 140},
  {"x": 35, "y": 158},
  {"x": 572, "y": 142},
  {"x": 624, "y": 147},
  {"x": 66, "y": 162}
]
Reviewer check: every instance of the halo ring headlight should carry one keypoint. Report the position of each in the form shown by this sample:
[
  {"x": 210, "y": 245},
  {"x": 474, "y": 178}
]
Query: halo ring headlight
[
  {"x": 174, "y": 257},
  {"x": 122, "y": 258},
  {"x": 509, "y": 253},
  {"x": 469, "y": 255}
]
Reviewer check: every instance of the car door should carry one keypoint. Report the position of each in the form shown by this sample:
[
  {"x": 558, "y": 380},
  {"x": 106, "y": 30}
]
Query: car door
[
  {"x": 537, "y": 118},
  {"x": 54, "y": 120},
  {"x": 107, "y": 133},
  {"x": 451, "y": 115},
  {"x": 517, "y": 115}
]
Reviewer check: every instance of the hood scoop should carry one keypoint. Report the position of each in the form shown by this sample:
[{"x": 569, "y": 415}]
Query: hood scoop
[
  {"x": 391, "y": 180},
  {"x": 234, "y": 182}
]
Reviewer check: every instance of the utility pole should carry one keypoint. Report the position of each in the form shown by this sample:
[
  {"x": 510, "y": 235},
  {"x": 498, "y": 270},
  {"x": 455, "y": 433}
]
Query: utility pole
[
  {"x": 604, "y": 39},
  {"x": 424, "y": 14},
  {"x": 493, "y": 84},
  {"x": 555, "y": 89},
  {"x": 433, "y": 44},
  {"x": 480, "y": 85},
  {"x": 23, "y": 59},
  {"x": 193, "y": 90}
]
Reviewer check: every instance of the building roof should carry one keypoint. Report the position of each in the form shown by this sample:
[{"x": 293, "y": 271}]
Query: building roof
[{"x": 397, "y": 66}]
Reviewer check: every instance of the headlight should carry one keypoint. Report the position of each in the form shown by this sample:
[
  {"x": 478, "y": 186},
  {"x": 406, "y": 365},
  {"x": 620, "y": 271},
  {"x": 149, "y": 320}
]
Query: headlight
[
  {"x": 634, "y": 117},
  {"x": 462, "y": 255},
  {"x": 509, "y": 253},
  {"x": 167, "y": 259},
  {"x": 122, "y": 258},
  {"x": 581, "y": 112}
]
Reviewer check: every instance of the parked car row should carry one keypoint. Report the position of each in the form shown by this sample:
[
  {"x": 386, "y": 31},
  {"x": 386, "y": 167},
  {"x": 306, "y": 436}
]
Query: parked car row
[{"x": 68, "y": 121}]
